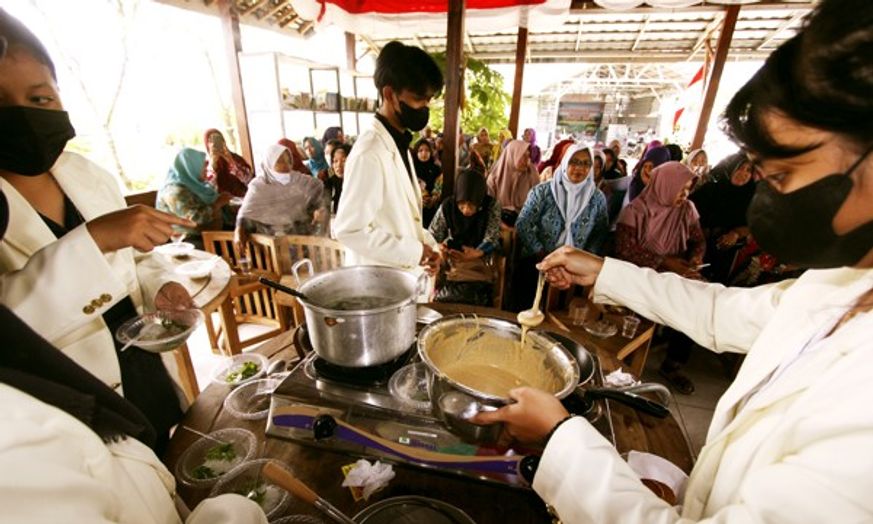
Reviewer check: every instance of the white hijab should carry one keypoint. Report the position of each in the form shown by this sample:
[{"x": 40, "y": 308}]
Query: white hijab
[
  {"x": 275, "y": 198},
  {"x": 572, "y": 198}
]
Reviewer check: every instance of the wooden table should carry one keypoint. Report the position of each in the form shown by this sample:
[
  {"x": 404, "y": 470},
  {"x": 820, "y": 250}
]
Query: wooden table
[
  {"x": 485, "y": 503},
  {"x": 208, "y": 294}
]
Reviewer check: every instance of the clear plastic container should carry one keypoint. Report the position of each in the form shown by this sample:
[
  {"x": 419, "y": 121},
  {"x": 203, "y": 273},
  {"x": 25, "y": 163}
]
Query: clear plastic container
[
  {"x": 195, "y": 468},
  {"x": 240, "y": 369},
  {"x": 409, "y": 385},
  {"x": 160, "y": 331},
  {"x": 251, "y": 401},
  {"x": 248, "y": 480}
]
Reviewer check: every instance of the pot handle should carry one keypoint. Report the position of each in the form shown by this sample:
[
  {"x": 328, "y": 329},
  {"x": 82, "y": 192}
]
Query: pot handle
[
  {"x": 297, "y": 265},
  {"x": 631, "y": 399},
  {"x": 650, "y": 387}
]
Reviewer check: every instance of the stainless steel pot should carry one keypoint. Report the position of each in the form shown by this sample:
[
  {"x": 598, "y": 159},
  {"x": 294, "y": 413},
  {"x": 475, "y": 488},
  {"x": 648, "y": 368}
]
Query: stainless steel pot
[
  {"x": 455, "y": 403},
  {"x": 360, "y": 337}
]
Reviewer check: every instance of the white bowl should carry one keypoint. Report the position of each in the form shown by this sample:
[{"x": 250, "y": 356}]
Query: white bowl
[
  {"x": 238, "y": 369},
  {"x": 175, "y": 250},
  {"x": 197, "y": 268}
]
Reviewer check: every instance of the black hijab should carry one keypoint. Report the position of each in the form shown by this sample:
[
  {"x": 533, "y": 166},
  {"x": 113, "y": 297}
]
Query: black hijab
[
  {"x": 428, "y": 171},
  {"x": 32, "y": 365},
  {"x": 469, "y": 187},
  {"x": 722, "y": 204}
]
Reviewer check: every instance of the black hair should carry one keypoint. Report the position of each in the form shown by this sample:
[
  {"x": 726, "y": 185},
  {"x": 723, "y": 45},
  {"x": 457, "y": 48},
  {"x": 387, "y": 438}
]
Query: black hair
[
  {"x": 341, "y": 147},
  {"x": 676, "y": 153},
  {"x": 334, "y": 143},
  {"x": 609, "y": 152},
  {"x": 330, "y": 134},
  {"x": 406, "y": 67},
  {"x": 15, "y": 36},
  {"x": 820, "y": 78},
  {"x": 423, "y": 142}
]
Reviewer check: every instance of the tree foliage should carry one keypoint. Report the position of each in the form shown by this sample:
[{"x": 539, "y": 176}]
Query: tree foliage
[{"x": 485, "y": 102}]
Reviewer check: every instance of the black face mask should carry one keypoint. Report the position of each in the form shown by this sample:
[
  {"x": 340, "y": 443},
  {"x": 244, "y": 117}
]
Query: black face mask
[
  {"x": 796, "y": 227},
  {"x": 411, "y": 118},
  {"x": 32, "y": 139}
]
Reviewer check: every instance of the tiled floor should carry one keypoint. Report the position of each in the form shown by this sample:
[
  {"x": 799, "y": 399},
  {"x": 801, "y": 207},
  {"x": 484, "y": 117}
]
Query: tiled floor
[{"x": 694, "y": 411}]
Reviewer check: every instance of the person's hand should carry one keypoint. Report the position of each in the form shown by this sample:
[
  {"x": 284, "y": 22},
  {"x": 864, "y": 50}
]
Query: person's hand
[
  {"x": 222, "y": 200},
  {"x": 530, "y": 419},
  {"x": 681, "y": 267},
  {"x": 430, "y": 259},
  {"x": 139, "y": 227},
  {"x": 471, "y": 253},
  {"x": 727, "y": 240},
  {"x": 579, "y": 266},
  {"x": 173, "y": 296},
  {"x": 240, "y": 239},
  {"x": 319, "y": 215}
]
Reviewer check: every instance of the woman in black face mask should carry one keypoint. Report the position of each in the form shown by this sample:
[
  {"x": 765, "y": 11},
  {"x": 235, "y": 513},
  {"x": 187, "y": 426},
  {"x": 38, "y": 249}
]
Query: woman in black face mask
[
  {"x": 791, "y": 438},
  {"x": 66, "y": 267}
]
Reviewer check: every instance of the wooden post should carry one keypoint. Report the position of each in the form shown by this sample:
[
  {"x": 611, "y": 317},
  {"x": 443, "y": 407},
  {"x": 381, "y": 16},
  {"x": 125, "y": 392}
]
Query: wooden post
[
  {"x": 454, "y": 88},
  {"x": 724, "y": 44},
  {"x": 520, "y": 53},
  {"x": 351, "y": 58},
  {"x": 233, "y": 46}
]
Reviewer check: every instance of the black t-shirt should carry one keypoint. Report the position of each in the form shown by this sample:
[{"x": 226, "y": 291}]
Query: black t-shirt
[{"x": 402, "y": 139}]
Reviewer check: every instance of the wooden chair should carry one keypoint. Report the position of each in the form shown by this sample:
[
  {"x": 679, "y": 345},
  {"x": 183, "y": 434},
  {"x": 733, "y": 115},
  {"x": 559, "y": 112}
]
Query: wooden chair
[
  {"x": 325, "y": 254},
  {"x": 249, "y": 302}
]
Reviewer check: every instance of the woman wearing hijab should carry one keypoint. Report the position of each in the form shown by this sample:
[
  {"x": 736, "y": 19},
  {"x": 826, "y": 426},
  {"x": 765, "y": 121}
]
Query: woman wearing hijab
[
  {"x": 186, "y": 195},
  {"x": 67, "y": 266},
  {"x": 226, "y": 170},
  {"x": 661, "y": 230},
  {"x": 530, "y": 136},
  {"x": 317, "y": 164},
  {"x": 468, "y": 228},
  {"x": 484, "y": 147},
  {"x": 547, "y": 167},
  {"x": 430, "y": 178},
  {"x": 511, "y": 179},
  {"x": 334, "y": 185},
  {"x": 280, "y": 201},
  {"x": 698, "y": 162},
  {"x": 722, "y": 203},
  {"x": 503, "y": 138},
  {"x": 654, "y": 157},
  {"x": 333, "y": 133}
]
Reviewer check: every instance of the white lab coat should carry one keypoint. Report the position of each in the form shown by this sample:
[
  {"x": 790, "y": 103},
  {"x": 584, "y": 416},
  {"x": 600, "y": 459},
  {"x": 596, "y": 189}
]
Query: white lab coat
[
  {"x": 379, "y": 218},
  {"x": 53, "y": 469},
  {"x": 798, "y": 450},
  {"x": 61, "y": 288}
]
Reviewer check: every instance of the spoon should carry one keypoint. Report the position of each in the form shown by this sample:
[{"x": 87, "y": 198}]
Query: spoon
[
  {"x": 285, "y": 289},
  {"x": 284, "y": 479},
  {"x": 204, "y": 435},
  {"x": 130, "y": 342},
  {"x": 533, "y": 317}
]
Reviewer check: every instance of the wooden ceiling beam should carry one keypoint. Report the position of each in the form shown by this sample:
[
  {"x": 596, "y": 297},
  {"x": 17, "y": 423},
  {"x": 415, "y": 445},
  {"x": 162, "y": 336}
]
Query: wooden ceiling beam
[
  {"x": 782, "y": 27},
  {"x": 640, "y": 34}
]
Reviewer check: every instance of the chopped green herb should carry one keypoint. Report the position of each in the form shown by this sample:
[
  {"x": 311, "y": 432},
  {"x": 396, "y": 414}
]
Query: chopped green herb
[
  {"x": 203, "y": 473},
  {"x": 248, "y": 370},
  {"x": 223, "y": 452},
  {"x": 255, "y": 491}
]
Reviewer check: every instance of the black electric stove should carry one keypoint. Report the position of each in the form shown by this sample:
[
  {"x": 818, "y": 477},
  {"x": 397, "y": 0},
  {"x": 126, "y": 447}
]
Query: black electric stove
[{"x": 351, "y": 410}]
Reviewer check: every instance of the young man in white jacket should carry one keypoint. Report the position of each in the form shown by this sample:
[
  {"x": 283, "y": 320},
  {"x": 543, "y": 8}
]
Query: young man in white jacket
[
  {"x": 791, "y": 440},
  {"x": 379, "y": 217}
]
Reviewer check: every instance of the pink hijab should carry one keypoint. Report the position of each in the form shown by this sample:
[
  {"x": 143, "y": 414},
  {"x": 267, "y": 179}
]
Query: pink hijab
[
  {"x": 506, "y": 183},
  {"x": 660, "y": 227}
]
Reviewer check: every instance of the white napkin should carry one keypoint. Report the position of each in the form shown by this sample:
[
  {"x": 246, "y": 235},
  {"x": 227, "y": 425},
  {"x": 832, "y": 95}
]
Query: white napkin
[
  {"x": 371, "y": 477},
  {"x": 619, "y": 378},
  {"x": 649, "y": 466}
]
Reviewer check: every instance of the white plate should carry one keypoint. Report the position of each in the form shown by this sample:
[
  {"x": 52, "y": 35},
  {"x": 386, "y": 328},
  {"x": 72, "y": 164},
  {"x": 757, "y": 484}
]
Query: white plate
[
  {"x": 197, "y": 268},
  {"x": 174, "y": 250}
]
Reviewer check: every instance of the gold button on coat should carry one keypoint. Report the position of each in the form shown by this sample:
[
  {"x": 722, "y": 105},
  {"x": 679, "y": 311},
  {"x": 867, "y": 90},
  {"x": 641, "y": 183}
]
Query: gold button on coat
[
  {"x": 96, "y": 303},
  {"x": 89, "y": 309},
  {"x": 105, "y": 297}
]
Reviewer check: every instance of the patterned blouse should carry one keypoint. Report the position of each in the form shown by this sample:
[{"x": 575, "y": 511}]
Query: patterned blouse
[
  {"x": 440, "y": 231},
  {"x": 628, "y": 248},
  {"x": 540, "y": 223},
  {"x": 178, "y": 200}
]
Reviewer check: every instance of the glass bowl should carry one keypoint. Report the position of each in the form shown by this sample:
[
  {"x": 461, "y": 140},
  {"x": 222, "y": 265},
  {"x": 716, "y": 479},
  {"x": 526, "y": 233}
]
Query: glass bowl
[
  {"x": 160, "y": 331},
  {"x": 601, "y": 328},
  {"x": 195, "y": 469},
  {"x": 251, "y": 401},
  {"x": 240, "y": 369},
  {"x": 409, "y": 385},
  {"x": 176, "y": 249},
  {"x": 248, "y": 480}
]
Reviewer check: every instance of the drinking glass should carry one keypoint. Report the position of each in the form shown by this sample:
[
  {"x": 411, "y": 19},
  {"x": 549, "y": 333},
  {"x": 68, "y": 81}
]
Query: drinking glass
[
  {"x": 245, "y": 265},
  {"x": 629, "y": 326},
  {"x": 578, "y": 313}
]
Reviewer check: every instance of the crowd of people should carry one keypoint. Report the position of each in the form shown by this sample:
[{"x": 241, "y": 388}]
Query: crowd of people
[{"x": 767, "y": 254}]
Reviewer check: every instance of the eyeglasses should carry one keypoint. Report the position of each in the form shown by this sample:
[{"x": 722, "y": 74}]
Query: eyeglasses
[{"x": 586, "y": 164}]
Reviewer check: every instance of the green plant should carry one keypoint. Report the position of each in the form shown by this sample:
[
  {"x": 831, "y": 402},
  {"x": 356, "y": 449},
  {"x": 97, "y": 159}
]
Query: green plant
[{"x": 485, "y": 102}]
